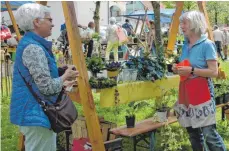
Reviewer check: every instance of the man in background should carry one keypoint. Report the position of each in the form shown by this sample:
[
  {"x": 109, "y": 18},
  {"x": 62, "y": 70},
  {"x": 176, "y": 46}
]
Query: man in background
[
  {"x": 218, "y": 38},
  {"x": 128, "y": 27}
]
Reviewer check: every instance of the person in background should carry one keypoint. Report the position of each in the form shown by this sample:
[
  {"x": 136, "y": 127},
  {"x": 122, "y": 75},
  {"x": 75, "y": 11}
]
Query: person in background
[
  {"x": 36, "y": 66},
  {"x": 123, "y": 46},
  {"x": 112, "y": 39},
  {"x": 89, "y": 32},
  {"x": 225, "y": 42},
  {"x": 128, "y": 27},
  {"x": 195, "y": 108},
  {"x": 151, "y": 38},
  {"x": 218, "y": 38}
]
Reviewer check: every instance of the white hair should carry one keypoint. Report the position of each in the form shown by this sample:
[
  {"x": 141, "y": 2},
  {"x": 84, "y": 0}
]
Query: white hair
[
  {"x": 112, "y": 20},
  {"x": 26, "y": 14},
  {"x": 197, "y": 21}
]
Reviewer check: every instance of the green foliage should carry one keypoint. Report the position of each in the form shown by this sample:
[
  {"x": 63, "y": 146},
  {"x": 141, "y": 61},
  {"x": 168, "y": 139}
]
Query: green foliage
[
  {"x": 217, "y": 11},
  {"x": 166, "y": 99},
  {"x": 95, "y": 65},
  {"x": 221, "y": 87},
  {"x": 172, "y": 139},
  {"x": 148, "y": 69},
  {"x": 9, "y": 132},
  {"x": 101, "y": 83},
  {"x": 133, "y": 107}
]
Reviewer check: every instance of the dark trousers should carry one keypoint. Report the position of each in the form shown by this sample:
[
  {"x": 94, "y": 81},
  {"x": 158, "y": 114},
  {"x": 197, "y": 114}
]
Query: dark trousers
[
  {"x": 219, "y": 48},
  {"x": 90, "y": 48}
]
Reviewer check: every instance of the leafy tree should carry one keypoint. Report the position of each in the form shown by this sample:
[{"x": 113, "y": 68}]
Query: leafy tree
[{"x": 218, "y": 12}]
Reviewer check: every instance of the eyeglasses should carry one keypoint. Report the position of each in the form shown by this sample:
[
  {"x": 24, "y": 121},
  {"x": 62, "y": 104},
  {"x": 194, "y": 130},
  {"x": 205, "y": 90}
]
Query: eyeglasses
[{"x": 49, "y": 19}]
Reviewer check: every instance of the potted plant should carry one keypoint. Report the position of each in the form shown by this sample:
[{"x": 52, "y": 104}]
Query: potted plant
[
  {"x": 171, "y": 58},
  {"x": 148, "y": 68},
  {"x": 113, "y": 68},
  {"x": 131, "y": 110},
  {"x": 162, "y": 103},
  {"x": 221, "y": 91},
  {"x": 102, "y": 83},
  {"x": 95, "y": 65}
]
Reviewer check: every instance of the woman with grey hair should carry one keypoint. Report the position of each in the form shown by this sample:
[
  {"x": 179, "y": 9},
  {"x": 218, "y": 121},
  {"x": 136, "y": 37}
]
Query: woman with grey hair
[
  {"x": 112, "y": 39},
  {"x": 195, "y": 107},
  {"x": 35, "y": 67}
]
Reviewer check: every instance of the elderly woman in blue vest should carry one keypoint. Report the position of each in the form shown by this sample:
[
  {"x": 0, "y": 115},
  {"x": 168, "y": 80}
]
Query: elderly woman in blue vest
[
  {"x": 35, "y": 62},
  {"x": 196, "y": 108}
]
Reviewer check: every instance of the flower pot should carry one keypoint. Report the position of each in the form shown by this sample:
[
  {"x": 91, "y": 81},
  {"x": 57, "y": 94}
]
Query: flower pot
[
  {"x": 112, "y": 73},
  {"x": 162, "y": 116},
  {"x": 226, "y": 98},
  {"x": 128, "y": 75},
  {"x": 219, "y": 100},
  {"x": 130, "y": 121},
  {"x": 169, "y": 67}
]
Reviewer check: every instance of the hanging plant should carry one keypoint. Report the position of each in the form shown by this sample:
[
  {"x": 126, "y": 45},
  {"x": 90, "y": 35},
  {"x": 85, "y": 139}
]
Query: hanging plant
[{"x": 102, "y": 83}]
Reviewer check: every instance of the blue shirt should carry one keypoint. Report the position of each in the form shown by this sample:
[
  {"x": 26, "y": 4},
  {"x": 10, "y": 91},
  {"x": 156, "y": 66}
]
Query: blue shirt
[{"x": 203, "y": 50}]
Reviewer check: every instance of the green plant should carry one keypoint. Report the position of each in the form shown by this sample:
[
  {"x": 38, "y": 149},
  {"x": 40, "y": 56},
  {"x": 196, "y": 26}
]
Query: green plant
[
  {"x": 133, "y": 107},
  {"x": 148, "y": 69},
  {"x": 172, "y": 139},
  {"x": 95, "y": 65},
  {"x": 221, "y": 87},
  {"x": 113, "y": 66},
  {"x": 102, "y": 83},
  {"x": 165, "y": 99}
]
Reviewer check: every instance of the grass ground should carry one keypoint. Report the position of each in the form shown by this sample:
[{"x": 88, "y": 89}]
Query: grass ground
[{"x": 9, "y": 132}]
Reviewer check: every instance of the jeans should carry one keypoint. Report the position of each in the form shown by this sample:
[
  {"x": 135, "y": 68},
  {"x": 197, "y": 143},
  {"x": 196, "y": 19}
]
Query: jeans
[
  {"x": 38, "y": 138},
  {"x": 205, "y": 139}
]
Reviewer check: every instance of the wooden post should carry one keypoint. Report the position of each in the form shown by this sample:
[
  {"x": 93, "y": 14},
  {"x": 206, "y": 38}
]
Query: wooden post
[
  {"x": 143, "y": 22},
  {"x": 42, "y": 2},
  {"x": 175, "y": 26},
  {"x": 87, "y": 101},
  {"x": 13, "y": 20},
  {"x": 136, "y": 27},
  {"x": 202, "y": 8}
]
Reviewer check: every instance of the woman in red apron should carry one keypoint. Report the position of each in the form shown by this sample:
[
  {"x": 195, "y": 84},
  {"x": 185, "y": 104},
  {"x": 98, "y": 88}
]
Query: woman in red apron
[{"x": 195, "y": 107}]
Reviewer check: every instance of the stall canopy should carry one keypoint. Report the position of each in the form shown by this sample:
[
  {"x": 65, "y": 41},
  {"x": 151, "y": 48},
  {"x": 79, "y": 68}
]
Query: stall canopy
[
  {"x": 14, "y": 4},
  {"x": 166, "y": 15}
]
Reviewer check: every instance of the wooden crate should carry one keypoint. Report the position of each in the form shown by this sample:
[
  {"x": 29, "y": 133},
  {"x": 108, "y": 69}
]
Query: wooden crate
[{"x": 79, "y": 129}]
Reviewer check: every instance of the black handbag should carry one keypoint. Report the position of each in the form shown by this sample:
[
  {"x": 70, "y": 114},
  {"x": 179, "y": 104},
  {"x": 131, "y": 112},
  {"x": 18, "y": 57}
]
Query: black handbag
[{"x": 62, "y": 114}]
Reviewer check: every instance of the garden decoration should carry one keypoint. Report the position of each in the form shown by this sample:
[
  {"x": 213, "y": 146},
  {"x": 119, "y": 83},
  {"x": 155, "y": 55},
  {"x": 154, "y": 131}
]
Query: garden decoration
[{"x": 113, "y": 68}]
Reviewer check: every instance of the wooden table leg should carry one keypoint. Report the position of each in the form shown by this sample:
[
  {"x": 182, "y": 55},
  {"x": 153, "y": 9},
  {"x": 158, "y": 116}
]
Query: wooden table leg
[
  {"x": 135, "y": 143},
  {"x": 21, "y": 145},
  {"x": 152, "y": 140}
]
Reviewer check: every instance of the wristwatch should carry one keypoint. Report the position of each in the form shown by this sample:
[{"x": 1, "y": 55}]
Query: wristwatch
[{"x": 192, "y": 71}]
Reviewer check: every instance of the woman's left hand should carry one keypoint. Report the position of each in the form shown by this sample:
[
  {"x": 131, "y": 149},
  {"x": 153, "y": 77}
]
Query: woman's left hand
[{"x": 184, "y": 71}]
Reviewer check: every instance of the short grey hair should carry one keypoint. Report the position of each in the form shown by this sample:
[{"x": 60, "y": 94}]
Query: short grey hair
[
  {"x": 26, "y": 14},
  {"x": 197, "y": 21},
  {"x": 112, "y": 20}
]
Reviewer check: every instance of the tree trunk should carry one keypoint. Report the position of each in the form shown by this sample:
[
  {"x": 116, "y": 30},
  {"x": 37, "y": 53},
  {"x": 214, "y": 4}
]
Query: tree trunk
[
  {"x": 96, "y": 16},
  {"x": 156, "y": 9}
]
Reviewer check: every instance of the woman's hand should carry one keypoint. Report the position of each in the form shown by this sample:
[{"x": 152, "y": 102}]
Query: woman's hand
[
  {"x": 184, "y": 71},
  {"x": 70, "y": 74},
  {"x": 174, "y": 68}
]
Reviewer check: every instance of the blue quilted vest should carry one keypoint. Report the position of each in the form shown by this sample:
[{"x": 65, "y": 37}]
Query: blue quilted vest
[{"x": 24, "y": 109}]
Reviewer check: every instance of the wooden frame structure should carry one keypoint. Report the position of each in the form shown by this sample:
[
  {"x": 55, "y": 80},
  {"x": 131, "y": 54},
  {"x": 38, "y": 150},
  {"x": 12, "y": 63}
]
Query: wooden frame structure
[
  {"x": 175, "y": 23},
  {"x": 87, "y": 101}
]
